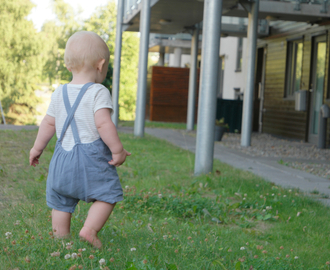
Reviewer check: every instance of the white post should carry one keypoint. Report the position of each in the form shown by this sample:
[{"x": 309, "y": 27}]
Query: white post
[
  {"x": 116, "y": 68},
  {"x": 177, "y": 57},
  {"x": 143, "y": 65},
  {"x": 208, "y": 86},
  {"x": 192, "y": 80},
  {"x": 251, "y": 59}
]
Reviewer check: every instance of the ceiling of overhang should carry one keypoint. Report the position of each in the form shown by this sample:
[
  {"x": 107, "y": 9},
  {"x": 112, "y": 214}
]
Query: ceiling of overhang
[{"x": 182, "y": 14}]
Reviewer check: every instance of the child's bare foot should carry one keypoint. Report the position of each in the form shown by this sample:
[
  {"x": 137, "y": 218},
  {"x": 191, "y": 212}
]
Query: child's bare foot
[{"x": 90, "y": 235}]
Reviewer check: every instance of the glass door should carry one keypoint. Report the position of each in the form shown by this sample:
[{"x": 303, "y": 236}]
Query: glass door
[{"x": 317, "y": 86}]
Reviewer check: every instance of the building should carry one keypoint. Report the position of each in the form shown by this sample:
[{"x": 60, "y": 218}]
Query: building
[{"x": 289, "y": 57}]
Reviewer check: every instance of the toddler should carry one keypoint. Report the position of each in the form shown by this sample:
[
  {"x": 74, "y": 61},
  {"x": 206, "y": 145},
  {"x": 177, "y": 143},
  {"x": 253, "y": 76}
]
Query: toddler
[{"x": 88, "y": 149}]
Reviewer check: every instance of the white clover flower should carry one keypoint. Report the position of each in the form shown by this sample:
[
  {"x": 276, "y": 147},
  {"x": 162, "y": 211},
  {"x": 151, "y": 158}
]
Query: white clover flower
[
  {"x": 17, "y": 222},
  {"x": 290, "y": 190},
  {"x": 244, "y": 199},
  {"x": 67, "y": 256},
  {"x": 74, "y": 255},
  {"x": 263, "y": 210},
  {"x": 268, "y": 208},
  {"x": 296, "y": 257},
  {"x": 284, "y": 196},
  {"x": 126, "y": 187},
  {"x": 273, "y": 194},
  {"x": 68, "y": 244},
  {"x": 83, "y": 249},
  {"x": 102, "y": 262},
  {"x": 165, "y": 237},
  {"x": 160, "y": 196},
  {"x": 133, "y": 249},
  {"x": 298, "y": 214},
  {"x": 245, "y": 195},
  {"x": 8, "y": 235},
  {"x": 242, "y": 248}
]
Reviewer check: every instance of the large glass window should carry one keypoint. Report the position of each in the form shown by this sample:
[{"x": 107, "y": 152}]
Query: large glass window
[{"x": 293, "y": 67}]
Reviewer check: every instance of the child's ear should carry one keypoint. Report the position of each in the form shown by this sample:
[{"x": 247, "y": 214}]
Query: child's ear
[{"x": 100, "y": 65}]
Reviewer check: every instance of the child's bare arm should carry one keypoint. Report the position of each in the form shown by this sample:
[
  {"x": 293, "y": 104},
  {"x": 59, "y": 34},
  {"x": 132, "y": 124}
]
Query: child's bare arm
[
  {"x": 109, "y": 135},
  {"x": 45, "y": 133}
]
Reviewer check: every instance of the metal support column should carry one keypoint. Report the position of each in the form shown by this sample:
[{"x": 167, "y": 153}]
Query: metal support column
[
  {"x": 251, "y": 58},
  {"x": 117, "y": 60},
  {"x": 177, "y": 57},
  {"x": 192, "y": 80},
  {"x": 208, "y": 86},
  {"x": 143, "y": 65},
  {"x": 161, "y": 61}
]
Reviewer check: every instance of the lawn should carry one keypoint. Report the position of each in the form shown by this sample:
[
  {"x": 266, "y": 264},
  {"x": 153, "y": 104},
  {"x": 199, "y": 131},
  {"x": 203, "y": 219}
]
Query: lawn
[{"x": 169, "y": 219}]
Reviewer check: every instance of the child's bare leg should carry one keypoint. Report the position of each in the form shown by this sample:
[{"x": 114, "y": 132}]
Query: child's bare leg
[
  {"x": 98, "y": 214},
  {"x": 61, "y": 223}
]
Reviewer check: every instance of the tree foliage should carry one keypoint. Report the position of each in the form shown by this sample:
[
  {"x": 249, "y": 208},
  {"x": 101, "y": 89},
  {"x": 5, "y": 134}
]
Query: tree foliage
[
  {"x": 20, "y": 61},
  {"x": 102, "y": 22},
  {"x": 28, "y": 57}
]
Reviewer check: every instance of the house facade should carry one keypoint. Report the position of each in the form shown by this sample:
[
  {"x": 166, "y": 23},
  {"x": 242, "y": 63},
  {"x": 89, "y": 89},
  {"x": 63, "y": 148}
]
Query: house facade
[
  {"x": 289, "y": 57},
  {"x": 297, "y": 59}
]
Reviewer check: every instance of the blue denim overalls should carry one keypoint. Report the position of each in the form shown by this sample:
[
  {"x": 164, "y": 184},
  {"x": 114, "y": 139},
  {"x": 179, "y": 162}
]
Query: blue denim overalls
[{"x": 83, "y": 173}]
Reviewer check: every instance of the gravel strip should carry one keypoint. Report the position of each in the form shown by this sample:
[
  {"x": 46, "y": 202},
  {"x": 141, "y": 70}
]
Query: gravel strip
[{"x": 307, "y": 157}]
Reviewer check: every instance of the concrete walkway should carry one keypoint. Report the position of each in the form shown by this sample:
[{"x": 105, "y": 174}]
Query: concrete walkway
[{"x": 267, "y": 168}]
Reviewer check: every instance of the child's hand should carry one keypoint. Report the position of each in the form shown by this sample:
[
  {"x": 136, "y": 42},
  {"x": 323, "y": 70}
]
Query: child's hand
[
  {"x": 34, "y": 157},
  {"x": 119, "y": 158}
]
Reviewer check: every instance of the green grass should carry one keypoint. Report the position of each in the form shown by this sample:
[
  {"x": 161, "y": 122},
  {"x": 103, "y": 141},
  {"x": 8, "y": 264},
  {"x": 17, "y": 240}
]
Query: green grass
[
  {"x": 169, "y": 219},
  {"x": 152, "y": 124}
]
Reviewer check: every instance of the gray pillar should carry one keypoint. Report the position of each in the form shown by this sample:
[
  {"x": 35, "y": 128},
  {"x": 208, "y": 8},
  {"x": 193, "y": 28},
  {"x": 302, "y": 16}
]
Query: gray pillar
[
  {"x": 116, "y": 66},
  {"x": 251, "y": 59},
  {"x": 177, "y": 57},
  {"x": 161, "y": 61},
  {"x": 208, "y": 86},
  {"x": 192, "y": 80},
  {"x": 143, "y": 66}
]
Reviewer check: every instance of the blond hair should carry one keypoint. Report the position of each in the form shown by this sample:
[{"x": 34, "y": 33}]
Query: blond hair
[{"x": 83, "y": 49}]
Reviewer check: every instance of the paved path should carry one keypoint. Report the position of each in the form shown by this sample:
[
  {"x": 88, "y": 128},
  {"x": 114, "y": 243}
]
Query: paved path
[{"x": 268, "y": 168}]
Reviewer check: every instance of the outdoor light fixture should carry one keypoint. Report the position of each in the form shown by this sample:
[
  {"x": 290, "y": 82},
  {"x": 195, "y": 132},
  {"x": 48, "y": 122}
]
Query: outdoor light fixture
[{"x": 164, "y": 22}]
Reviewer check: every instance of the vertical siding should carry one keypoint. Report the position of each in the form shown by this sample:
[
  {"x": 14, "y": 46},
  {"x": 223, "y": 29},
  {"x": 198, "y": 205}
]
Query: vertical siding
[{"x": 280, "y": 117}]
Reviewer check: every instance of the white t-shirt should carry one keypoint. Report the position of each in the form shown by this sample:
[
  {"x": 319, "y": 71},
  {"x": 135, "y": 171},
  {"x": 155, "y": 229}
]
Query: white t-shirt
[{"x": 96, "y": 97}]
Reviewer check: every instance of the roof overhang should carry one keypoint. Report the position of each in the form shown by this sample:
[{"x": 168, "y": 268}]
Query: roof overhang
[
  {"x": 182, "y": 15},
  {"x": 285, "y": 11}
]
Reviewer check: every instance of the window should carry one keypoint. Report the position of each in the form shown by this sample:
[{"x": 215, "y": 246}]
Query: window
[
  {"x": 293, "y": 67},
  {"x": 239, "y": 54}
]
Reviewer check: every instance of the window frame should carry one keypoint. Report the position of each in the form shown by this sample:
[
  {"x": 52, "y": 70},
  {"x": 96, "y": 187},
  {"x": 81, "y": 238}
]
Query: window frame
[{"x": 291, "y": 67}]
